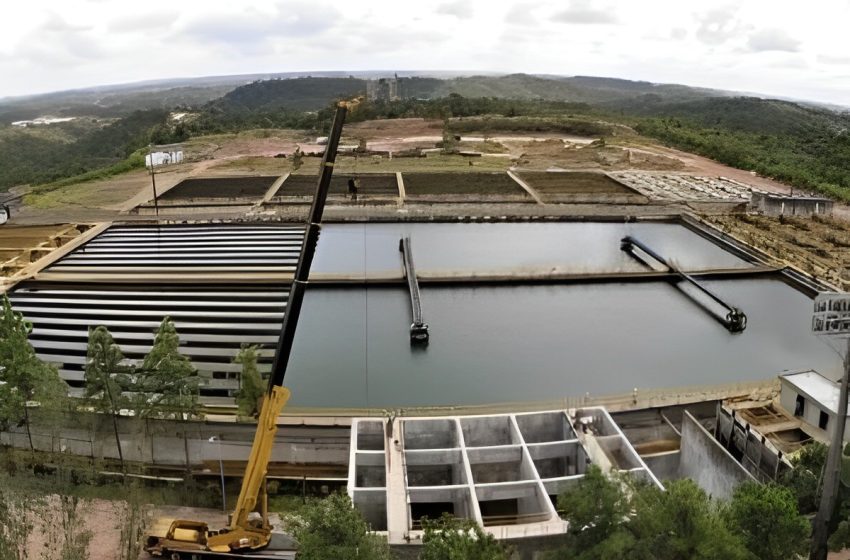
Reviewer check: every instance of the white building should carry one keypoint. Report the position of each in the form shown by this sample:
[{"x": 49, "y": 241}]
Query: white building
[
  {"x": 163, "y": 158},
  {"x": 813, "y": 399}
]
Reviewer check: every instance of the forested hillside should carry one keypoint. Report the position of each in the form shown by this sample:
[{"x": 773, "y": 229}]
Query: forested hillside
[
  {"x": 45, "y": 154},
  {"x": 802, "y": 145}
]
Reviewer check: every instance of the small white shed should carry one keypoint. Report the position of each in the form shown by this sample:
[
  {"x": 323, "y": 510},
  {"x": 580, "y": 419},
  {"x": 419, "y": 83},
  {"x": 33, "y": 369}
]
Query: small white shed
[{"x": 812, "y": 398}]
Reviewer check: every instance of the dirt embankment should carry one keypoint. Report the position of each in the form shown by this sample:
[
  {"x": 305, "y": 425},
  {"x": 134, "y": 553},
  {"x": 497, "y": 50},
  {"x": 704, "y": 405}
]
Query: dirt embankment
[{"x": 819, "y": 246}]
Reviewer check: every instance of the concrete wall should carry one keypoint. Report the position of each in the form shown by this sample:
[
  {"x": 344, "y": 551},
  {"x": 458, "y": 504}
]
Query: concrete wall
[
  {"x": 528, "y": 548},
  {"x": 773, "y": 205},
  {"x": 161, "y": 442},
  {"x": 704, "y": 460},
  {"x": 665, "y": 466}
]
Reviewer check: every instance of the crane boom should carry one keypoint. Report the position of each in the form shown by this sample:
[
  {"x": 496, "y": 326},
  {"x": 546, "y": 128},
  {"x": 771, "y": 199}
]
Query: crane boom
[
  {"x": 240, "y": 535},
  {"x": 305, "y": 260}
]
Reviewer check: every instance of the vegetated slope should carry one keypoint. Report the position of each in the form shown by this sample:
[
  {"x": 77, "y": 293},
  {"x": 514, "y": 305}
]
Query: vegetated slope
[
  {"x": 109, "y": 104},
  {"x": 303, "y": 94},
  {"x": 803, "y": 146},
  {"x": 747, "y": 114},
  {"x": 43, "y": 154},
  {"x": 580, "y": 89}
]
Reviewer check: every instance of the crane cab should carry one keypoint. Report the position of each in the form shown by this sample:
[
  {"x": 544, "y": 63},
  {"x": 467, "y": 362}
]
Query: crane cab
[{"x": 182, "y": 536}]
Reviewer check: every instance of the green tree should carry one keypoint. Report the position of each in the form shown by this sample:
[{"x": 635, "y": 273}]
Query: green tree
[
  {"x": 24, "y": 376},
  {"x": 449, "y": 538},
  {"x": 104, "y": 376},
  {"x": 167, "y": 384},
  {"x": 331, "y": 529},
  {"x": 251, "y": 385},
  {"x": 681, "y": 523},
  {"x": 595, "y": 508},
  {"x": 804, "y": 478},
  {"x": 767, "y": 519}
]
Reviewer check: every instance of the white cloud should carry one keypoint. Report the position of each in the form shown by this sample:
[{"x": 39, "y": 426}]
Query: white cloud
[
  {"x": 48, "y": 45},
  {"x": 581, "y": 11},
  {"x": 521, "y": 14},
  {"x": 459, "y": 8},
  {"x": 718, "y": 25},
  {"x": 835, "y": 59},
  {"x": 772, "y": 40}
]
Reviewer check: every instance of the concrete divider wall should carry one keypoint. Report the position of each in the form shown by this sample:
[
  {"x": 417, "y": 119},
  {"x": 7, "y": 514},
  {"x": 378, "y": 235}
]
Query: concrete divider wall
[
  {"x": 704, "y": 460},
  {"x": 161, "y": 442}
]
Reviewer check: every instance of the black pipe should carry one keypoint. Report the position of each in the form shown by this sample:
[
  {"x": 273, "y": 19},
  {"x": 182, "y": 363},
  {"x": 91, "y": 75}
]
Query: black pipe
[
  {"x": 311, "y": 238},
  {"x": 418, "y": 328},
  {"x": 735, "y": 320}
]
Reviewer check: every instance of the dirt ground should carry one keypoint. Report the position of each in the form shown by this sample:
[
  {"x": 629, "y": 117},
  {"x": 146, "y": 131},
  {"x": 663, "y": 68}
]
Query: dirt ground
[
  {"x": 100, "y": 517},
  {"x": 555, "y": 153}
]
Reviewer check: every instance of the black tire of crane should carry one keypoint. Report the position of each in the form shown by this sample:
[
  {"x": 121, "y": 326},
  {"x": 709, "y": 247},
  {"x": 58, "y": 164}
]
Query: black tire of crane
[{"x": 175, "y": 556}]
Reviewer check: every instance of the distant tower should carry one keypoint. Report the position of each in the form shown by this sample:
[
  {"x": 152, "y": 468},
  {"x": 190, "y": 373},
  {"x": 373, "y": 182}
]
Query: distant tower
[{"x": 382, "y": 89}]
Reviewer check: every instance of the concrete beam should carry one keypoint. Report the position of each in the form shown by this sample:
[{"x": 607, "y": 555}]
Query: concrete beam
[
  {"x": 528, "y": 188},
  {"x": 402, "y": 195},
  {"x": 275, "y": 187}
]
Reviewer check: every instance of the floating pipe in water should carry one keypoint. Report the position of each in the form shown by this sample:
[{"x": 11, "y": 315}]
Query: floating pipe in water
[
  {"x": 734, "y": 320},
  {"x": 419, "y": 334}
]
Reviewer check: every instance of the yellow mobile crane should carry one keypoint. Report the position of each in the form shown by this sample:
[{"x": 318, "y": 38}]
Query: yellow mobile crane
[{"x": 193, "y": 540}]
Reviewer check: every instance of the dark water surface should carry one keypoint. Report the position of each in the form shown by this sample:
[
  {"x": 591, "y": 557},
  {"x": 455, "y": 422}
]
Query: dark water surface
[
  {"x": 526, "y": 343},
  {"x": 566, "y": 246}
]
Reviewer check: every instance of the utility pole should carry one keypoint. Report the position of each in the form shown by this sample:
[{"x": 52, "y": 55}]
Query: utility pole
[
  {"x": 153, "y": 180},
  {"x": 832, "y": 318}
]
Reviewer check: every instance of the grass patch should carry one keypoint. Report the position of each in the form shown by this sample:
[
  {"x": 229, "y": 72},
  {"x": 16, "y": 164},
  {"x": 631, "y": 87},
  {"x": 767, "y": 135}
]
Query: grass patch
[{"x": 37, "y": 195}]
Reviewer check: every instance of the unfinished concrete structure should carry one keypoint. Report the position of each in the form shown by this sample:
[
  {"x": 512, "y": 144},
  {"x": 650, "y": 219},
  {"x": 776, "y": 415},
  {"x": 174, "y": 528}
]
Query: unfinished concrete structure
[
  {"x": 760, "y": 435},
  {"x": 685, "y": 188},
  {"x": 572, "y": 187},
  {"x": 502, "y": 471},
  {"x": 23, "y": 246},
  {"x": 773, "y": 204}
]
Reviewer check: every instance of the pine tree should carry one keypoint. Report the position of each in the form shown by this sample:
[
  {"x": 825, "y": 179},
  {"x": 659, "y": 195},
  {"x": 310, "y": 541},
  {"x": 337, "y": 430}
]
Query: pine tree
[
  {"x": 104, "y": 376},
  {"x": 23, "y": 375},
  {"x": 251, "y": 386},
  {"x": 167, "y": 384}
]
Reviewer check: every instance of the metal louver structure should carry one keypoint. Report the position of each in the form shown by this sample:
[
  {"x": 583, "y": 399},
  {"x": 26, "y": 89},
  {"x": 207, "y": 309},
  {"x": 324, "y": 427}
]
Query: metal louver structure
[{"x": 223, "y": 285}]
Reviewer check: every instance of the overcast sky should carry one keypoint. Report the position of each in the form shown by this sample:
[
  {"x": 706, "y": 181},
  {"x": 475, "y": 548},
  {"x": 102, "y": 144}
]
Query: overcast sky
[{"x": 776, "y": 47}]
